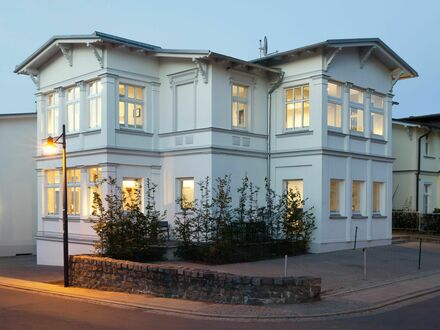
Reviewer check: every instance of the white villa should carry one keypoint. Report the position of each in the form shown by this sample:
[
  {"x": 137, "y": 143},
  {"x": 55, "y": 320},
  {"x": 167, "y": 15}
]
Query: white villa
[{"x": 317, "y": 118}]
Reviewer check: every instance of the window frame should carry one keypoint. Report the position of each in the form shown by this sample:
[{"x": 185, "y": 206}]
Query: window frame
[
  {"x": 240, "y": 100},
  {"x": 286, "y": 186},
  {"x": 138, "y": 182},
  {"x": 56, "y": 186},
  {"x": 76, "y": 103},
  {"x": 76, "y": 186},
  {"x": 92, "y": 186},
  {"x": 292, "y": 102},
  {"x": 97, "y": 97},
  {"x": 361, "y": 211},
  {"x": 374, "y": 110},
  {"x": 340, "y": 211},
  {"x": 54, "y": 110},
  {"x": 126, "y": 100},
  {"x": 356, "y": 106},
  {"x": 381, "y": 211},
  {"x": 336, "y": 101},
  {"x": 179, "y": 186}
]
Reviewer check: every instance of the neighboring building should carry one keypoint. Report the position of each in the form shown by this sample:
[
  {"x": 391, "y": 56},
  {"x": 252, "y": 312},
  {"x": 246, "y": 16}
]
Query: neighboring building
[
  {"x": 135, "y": 110},
  {"x": 18, "y": 183},
  {"x": 416, "y": 149}
]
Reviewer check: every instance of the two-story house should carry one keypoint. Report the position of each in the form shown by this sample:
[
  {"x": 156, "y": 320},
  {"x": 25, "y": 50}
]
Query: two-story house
[
  {"x": 416, "y": 169},
  {"x": 317, "y": 119}
]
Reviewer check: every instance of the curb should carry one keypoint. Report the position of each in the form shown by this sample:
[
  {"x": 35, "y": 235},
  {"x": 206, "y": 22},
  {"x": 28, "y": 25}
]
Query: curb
[{"x": 180, "y": 312}]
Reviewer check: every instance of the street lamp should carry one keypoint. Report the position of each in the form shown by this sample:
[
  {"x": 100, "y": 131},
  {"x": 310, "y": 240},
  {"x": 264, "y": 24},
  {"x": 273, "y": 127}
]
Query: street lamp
[{"x": 51, "y": 146}]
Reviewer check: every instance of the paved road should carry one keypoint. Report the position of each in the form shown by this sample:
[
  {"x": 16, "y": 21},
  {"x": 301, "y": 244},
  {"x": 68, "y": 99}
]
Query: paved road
[{"x": 26, "y": 310}]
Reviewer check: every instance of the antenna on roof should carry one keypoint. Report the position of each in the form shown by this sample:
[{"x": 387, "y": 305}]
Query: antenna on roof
[{"x": 263, "y": 47}]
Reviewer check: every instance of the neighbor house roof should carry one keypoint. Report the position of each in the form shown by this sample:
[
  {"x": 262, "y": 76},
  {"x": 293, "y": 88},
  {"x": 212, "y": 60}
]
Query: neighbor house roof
[
  {"x": 431, "y": 120},
  {"x": 376, "y": 46}
]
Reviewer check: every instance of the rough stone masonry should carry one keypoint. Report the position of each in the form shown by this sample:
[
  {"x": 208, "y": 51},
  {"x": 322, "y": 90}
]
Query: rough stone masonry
[{"x": 187, "y": 283}]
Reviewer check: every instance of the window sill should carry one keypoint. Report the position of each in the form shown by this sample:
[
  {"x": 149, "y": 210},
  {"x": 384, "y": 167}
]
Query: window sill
[
  {"x": 92, "y": 131},
  {"x": 337, "y": 216},
  {"x": 72, "y": 218},
  {"x": 240, "y": 129},
  {"x": 378, "y": 139},
  {"x": 358, "y": 136},
  {"x": 379, "y": 216},
  {"x": 428, "y": 157},
  {"x": 359, "y": 216},
  {"x": 336, "y": 131},
  {"x": 51, "y": 218},
  {"x": 72, "y": 135},
  {"x": 133, "y": 131},
  {"x": 295, "y": 132}
]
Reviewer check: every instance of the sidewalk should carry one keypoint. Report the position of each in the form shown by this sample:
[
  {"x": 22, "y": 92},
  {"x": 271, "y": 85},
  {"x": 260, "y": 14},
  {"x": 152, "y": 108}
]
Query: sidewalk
[{"x": 338, "y": 304}]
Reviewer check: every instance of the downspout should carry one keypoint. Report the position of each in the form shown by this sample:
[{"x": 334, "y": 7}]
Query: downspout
[
  {"x": 418, "y": 166},
  {"x": 269, "y": 120}
]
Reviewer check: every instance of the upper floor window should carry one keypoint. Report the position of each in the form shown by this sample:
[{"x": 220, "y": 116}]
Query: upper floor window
[
  {"x": 377, "y": 123},
  {"x": 356, "y": 120},
  {"x": 73, "y": 191},
  {"x": 94, "y": 98},
  {"x": 52, "y": 192},
  {"x": 356, "y": 96},
  {"x": 377, "y": 101},
  {"x": 72, "y": 109},
  {"x": 334, "y": 105},
  {"x": 52, "y": 114},
  {"x": 239, "y": 106},
  {"x": 131, "y": 104},
  {"x": 297, "y": 107}
]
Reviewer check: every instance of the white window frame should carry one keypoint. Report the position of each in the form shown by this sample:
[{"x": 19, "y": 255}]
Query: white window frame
[
  {"x": 427, "y": 190},
  {"x": 340, "y": 184},
  {"x": 374, "y": 110},
  {"x": 336, "y": 101},
  {"x": 75, "y": 185},
  {"x": 53, "y": 114},
  {"x": 361, "y": 211},
  {"x": 292, "y": 102},
  {"x": 353, "y": 129},
  {"x": 381, "y": 210},
  {"x": 91, "y": 187},
  {"x": 54, "y": 185},
  {"x": 240, "y": 100},
  {"x": 355, "y": 107},
  {"x": 179, "y": 186},
  {"x": 97, "y": 111},
  {"x": 73, "y": 105},
  {"x": 127, "y": 101}
]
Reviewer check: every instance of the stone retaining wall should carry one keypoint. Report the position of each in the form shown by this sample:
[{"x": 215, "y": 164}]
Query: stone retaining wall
[{"x": 194, "y": 284}]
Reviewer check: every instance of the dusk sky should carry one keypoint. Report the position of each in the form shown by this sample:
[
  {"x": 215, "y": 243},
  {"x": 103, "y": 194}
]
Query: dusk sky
[{"x": 410, "y": 28}]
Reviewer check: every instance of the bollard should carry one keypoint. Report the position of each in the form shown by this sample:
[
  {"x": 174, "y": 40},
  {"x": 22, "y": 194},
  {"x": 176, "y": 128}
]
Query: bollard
[
  {"x": 364, "y": 250},
  {"x": 355, "y": 237},
  {"x": 420, "y": 251},
  {"x": 285, "y": 265}
]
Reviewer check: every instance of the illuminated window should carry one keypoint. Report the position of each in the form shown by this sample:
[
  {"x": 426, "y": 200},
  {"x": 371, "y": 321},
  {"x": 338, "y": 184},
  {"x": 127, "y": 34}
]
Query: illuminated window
[
  {"x": 334, "y": 90},
  {"x": 94, "y": 97},
  {"x": 130, "y": 189},
  {"x": 334, "y": 105},
  {"x": 72, "y": 109},
  {"x": 335, "y": 196},
  {"x": 356, "y": 120},
  {"x": 357, "y": 203},
  {"x": 185, "y": 192},
  {"x": 131, "y": 104},
  {"x": 52, "y": 192},
  {"x": 297, "y": 186},
  {"x": 356, "y": 96},
  {"x": 377, "y": 101},
  {"x": 52, "y": 114},
  {"x": 377, "y": 197},
  {"x": 94, "y": 177},
  {"x": 73, "y": 191},
  {"x": 297, "y": 107},
  {"x": 377, "y": 123},
  {"x": 239, "y": 106}
]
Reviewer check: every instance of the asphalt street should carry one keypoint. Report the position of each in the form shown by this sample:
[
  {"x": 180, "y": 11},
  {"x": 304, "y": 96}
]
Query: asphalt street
[{"x": 28, "y": 310}]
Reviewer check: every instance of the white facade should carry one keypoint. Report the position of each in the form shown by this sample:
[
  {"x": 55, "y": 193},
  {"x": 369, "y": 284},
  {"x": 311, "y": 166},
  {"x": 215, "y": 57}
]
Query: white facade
[
  {"x": 201, "y": 114},
  {"x": 18, "y": 190}
]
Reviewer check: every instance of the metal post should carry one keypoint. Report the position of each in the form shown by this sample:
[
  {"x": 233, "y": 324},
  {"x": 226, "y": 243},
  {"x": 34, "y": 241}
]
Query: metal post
[
  {"x": 285, "y": 265},
  {"x": 364, "y": 250},
  {"x": 355, "y": 237},
  {"x": 65, "y": 224},
  {"x": 420, "y": 251}
]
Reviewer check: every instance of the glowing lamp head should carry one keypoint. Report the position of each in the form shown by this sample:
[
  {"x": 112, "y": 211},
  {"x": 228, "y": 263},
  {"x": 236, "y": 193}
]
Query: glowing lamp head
[{"x": 50, "y": 146}]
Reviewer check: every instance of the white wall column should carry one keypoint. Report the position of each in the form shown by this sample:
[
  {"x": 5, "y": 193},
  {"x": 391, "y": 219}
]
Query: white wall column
[
  {"x": 348, "y": 211},
  {"x": 41, "y": 120},
  {"x": 367, "y": 126},
  {"x": 346, "y": 115},
  {"x": 83, "y": 110},
  {"x": 61, "y": 110},
  {"x": 318, "y": 108},
  {"x": 388, "y": 118},
  {"x": 41, "y": 200},
  {"x": 369, "y": 198},
  {"x": 108, "y": 109}
]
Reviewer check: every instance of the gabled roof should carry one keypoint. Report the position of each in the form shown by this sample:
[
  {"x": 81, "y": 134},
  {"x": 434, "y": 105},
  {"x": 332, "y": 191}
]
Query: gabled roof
[
  {"x": 51, "y": 47},
  {"x": 380, "y": 50},
  {"x": 431, "y": 120}
]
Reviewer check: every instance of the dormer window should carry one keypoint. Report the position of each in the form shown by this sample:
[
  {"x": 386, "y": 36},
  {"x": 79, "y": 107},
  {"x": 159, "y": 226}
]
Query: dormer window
[{"x": 131, "y": 105}]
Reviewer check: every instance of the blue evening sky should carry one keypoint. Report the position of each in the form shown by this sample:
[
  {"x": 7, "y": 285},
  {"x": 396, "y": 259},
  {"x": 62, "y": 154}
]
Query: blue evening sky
[{"x": 411, "y": 28}]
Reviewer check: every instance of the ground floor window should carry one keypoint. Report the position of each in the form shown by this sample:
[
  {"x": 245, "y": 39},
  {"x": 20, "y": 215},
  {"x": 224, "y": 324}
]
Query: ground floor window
[
  {"x": 94, "y": 177},
  {"x": 357, "y": 200},
  {"x": 73, "y": 191},
  {"x": 426, "y": 197},
  {"x": 130, "y": 190},
  {"x": 335, "y": 196},
  {"x": 296, "y": 186},
  {"x": 185, "y": 192},
  {"x": 52, "y": 192},
  {"x": 377, "y": 198}
]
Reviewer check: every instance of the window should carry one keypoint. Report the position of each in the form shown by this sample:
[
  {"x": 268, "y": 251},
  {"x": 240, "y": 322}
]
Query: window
[
  {"x": 297, "y": 107},
  {"x": 296, "y": 186},
  {"x": 356, "y": 96},
  {"x": 357, "y": 197},
  {"x": 426, "y": 197},
  {"x": 377, "y": 101},
  {"x": 239, "y": 106},
  {"x": 185, "y": 192},
  {"x": 73, "y": 191},
  {"x": 356, "y": 120},
  {"x": 335, "y": 196},
  {"x": 94, "y": 177},
  {"x": 94, "y": 97},
  {"x": 334, "y": 105},
  {"x": 72, "y": 108},
  {"x": 377, "y": 123},
  {"x": 52, "y": 192},
  {"x": 377, "y": 198},
  {"x": 131, "y": 104},
  {"x": 131, "y": 193},
  {"x": 52, "y": 114},
  {"x": 427, "y": 149}
]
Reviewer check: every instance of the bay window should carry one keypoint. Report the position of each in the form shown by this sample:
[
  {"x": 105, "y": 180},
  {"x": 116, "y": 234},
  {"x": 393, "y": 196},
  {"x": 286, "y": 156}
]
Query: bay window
[
  {"x": 73, "y": 191},
  {"x": 239, "y": 106},
  {"x": 73, "y": 109},
  {"x": 52, "y": 192},
  {"x": 297, "y": 107},
  {"x": 94, "y": 178},
  {"x": 52, "y": 114},
  {"x": 334, "y": 105},
  {"x": 185, "y": 192},
  {"x": 131, "y": 104},
  {"x": 94, "y": 100}
]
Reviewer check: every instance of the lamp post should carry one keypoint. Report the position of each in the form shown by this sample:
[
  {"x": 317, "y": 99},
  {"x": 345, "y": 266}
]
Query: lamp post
[{"x": 51, "y": 145}]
